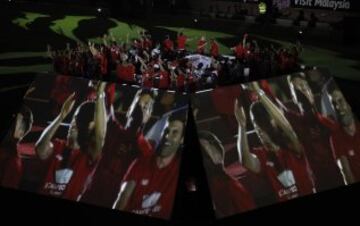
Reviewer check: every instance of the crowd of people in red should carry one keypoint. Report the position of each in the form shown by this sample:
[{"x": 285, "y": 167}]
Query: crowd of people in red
[{"x": 169, "y": 64}]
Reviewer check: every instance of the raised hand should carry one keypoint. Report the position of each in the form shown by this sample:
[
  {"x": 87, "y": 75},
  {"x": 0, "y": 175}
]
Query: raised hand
[
  {"x": 239, "y": 114},
  {"x": 67, "y": 106}
]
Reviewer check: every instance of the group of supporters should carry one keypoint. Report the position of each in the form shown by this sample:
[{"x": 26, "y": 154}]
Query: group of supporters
[
  {"x": 169, "y": 64},
  {"x": 301, "y": 150},
  {"x": 105, "y": 159}
]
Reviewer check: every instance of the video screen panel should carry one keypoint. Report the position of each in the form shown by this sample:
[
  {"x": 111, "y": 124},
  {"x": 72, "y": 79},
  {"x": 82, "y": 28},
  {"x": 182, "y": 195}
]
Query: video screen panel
[
  {"x": 111, "y": 145},
  {"x": 275, "y": 140}
]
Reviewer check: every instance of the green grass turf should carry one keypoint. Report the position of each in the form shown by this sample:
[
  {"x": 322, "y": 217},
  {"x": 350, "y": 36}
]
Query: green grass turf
[
  {"x": 67, "y": 26},
  {"x": 6, "y": 70},
  {"x": 28, "y": 18}
]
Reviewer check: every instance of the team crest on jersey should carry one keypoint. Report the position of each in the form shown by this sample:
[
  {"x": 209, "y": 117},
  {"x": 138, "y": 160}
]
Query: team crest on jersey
[
  {"x": 150, "y": 200},
  {"x": 271, "y": 164},
  {"x": 63, "y": 176},
  {"x": 287, "y": 178},
  {"x": 144, "y": 182},
  {"x": 351, "y": 153}
]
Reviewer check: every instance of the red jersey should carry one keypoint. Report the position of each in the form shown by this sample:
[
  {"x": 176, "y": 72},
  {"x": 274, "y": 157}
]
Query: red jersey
[
  {"x": 125, "y": 72},
  {"x": 348, "y": 146},
  {"x": 181, "y": 41},
  {"x": 314, "y": 133},
  {"x": 115, "y": 53},
  {"x": 67, "y": 179},
  {"x": 10, "y": 168},
  {"x": 289, "y": 176},
  {"x": 201, "y": 46},
  {"x": 103, "y": 62},
  {"x": 240, "y": 51},
  {"x": 120, "y": 149},
  {"x": 147, "y": 80},
  {"x": 229, "y": 195},
  {"x": 168, "y": 45},
  {"x": 214, "y": 49},
  {"x": 147, "y": 43},
  {"x": 180, "y": 82},
  {"x": 155, "y": 189},
  {"x": 164, "y": 81}
]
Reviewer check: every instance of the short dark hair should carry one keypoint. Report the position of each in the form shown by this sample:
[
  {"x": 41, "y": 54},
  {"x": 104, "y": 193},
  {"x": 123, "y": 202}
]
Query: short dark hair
[
  {"x": 263, "y": 119},
  {"x": 179, "y": 116}
]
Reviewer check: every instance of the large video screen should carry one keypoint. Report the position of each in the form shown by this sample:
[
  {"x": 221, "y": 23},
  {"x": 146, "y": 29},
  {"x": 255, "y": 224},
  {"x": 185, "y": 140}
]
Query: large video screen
[
  {"x": 114, "y": 146},
  {"x": 275, "y": 140}
]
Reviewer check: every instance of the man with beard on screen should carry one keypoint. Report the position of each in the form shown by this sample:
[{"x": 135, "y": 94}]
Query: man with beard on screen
[
  {"x": 229, "y": 195},
  {"x": 72, "y": 161},
  {"x": 149, "y": 186},
  {"x": 280, "y": 158},
  {"x": 346, "y": 139},
  {"x": 122, "y": 145}
]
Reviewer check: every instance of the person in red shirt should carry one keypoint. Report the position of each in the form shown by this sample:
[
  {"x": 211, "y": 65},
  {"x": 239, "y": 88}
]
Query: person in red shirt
[
  {"x": 201, "y": 45},
  {"x": 182, "y": 39},
  {"x": 149, "y": 186},
  {"x": 72, "y": 161},
  {"x": 280, "y": 159},
  {"x": 125, "y": 71},
  {"x": 122, "y": 145},
  {"x": 345, "y": 140},
  {"x": 168, "y": 44},
  {"x": 11, "y": 168},
  {"x": 228, "y": 194},
  {"x": 180, "y": 80},
  {"x": 147, "y": 79},
  {"x": 314, "y": 131},
  {"x": 163, "y": 76},
  {"x": 147, "y": 43},
  {"x": 240, "y": 50},
  {"x": 214, "y": 48}
]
